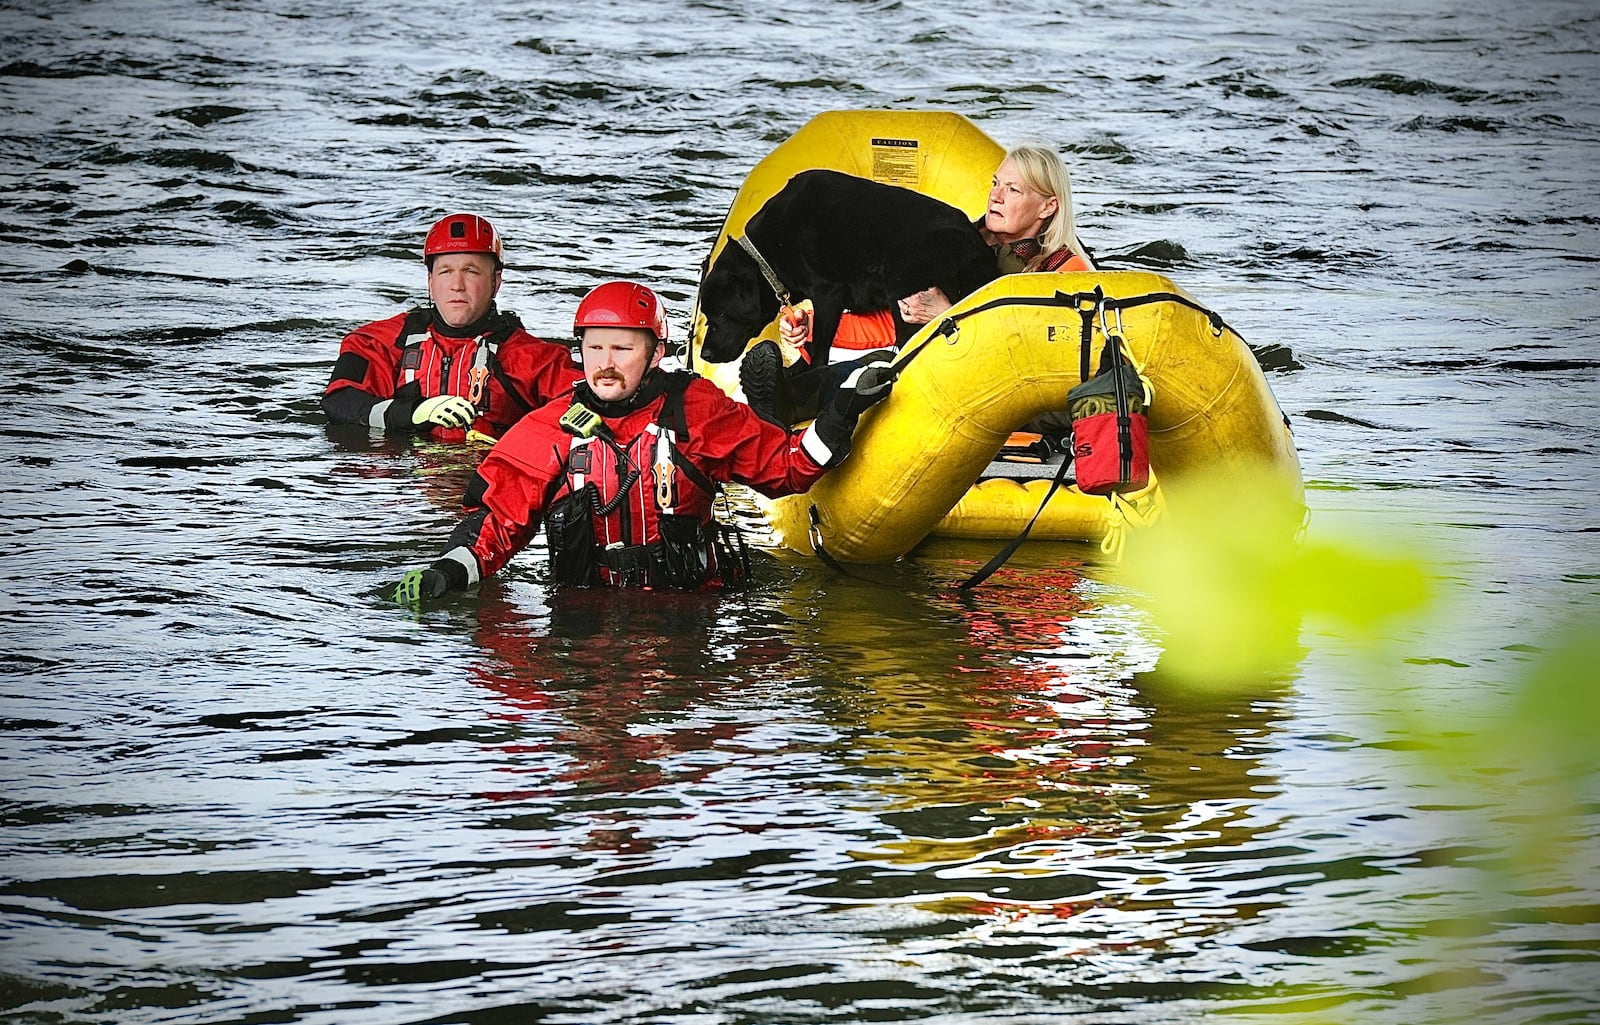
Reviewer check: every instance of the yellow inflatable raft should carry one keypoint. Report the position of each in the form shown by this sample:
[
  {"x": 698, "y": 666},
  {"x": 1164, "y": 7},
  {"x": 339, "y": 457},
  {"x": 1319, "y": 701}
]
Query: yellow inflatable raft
[{"x": 922, "y": 461}]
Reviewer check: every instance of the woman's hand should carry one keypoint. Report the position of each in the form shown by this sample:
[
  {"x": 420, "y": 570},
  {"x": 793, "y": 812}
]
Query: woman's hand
[
  {"x": 923, "y": 306},
  {"x": 794, "y": 325}
]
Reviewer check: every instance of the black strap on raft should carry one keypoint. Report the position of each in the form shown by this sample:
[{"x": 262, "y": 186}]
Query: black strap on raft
[
  {"x": 1112, "y": 354},
  {"x": 1086, "y": 303},
  {"x": 1011, "y": 547}
]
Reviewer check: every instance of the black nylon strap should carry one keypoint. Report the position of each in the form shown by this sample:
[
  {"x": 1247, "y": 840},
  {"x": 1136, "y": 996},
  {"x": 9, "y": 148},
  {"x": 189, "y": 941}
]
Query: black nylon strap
[
  {"x": 1078, "y": 299},
  {"x": 674, "y": 419},
  {"x": 1087, "y": 336},
  {"x": 509, "y": 324},
  {"x": 1016, "y": 542},
  {"x": 417, "y": 320},
  {"x": 1112, "y": 358}
]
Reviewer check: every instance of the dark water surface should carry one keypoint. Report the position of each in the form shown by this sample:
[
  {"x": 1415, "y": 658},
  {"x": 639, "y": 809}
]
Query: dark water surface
[{"x": 240, "y": 787}]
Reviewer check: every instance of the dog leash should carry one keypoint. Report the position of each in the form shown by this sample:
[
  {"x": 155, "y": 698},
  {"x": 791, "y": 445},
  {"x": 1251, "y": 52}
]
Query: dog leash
[{"x": 766, "y": 270}]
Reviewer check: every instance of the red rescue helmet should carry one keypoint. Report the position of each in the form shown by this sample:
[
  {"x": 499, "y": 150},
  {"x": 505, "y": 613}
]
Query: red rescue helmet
[
  {"x": 621, "y": 304},
  {"x": 461, "y": 233}
]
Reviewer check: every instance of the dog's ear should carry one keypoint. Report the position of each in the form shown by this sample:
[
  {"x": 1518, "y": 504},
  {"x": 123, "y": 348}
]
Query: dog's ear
[{"x": 731, "y": 297}]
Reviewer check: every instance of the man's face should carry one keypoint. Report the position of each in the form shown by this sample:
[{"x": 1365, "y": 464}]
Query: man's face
[
  {"x": 615, "y": 360},
  {"x": 462, "y": 285}
]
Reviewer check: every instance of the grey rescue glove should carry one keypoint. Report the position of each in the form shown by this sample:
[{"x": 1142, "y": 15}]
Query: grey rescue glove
[{"x": 864, "y": 388}]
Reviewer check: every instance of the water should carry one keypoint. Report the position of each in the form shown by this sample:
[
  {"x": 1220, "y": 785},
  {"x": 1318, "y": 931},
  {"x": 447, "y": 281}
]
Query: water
[{"x": 240, "y": 787}]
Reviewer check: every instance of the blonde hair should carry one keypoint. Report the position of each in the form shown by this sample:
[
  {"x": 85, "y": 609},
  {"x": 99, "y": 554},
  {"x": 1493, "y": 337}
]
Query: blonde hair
[{"x": 1042, "y": 171}]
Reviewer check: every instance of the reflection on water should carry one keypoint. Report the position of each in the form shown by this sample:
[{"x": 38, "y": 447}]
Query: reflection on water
[{"x": 239, "y": 785}]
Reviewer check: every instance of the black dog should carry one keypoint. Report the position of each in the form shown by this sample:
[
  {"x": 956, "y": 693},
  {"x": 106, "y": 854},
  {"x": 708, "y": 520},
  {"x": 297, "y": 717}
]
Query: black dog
[{"x": 845, "y": 243}]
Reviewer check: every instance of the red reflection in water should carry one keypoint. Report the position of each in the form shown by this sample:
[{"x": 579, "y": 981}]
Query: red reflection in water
[{"x": 612, "y": 675}]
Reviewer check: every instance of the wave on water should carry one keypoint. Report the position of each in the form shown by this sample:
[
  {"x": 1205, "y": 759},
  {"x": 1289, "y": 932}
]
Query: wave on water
[{"x": 1401, "y": 85}]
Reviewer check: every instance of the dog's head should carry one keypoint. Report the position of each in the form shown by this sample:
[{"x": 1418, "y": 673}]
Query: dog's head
[{"x": 737, "y": 303}]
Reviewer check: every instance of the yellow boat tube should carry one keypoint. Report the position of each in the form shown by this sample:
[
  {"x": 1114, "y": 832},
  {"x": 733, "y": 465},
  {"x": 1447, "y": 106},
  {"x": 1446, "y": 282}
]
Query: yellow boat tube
[{"x": 1011, "y": 352}]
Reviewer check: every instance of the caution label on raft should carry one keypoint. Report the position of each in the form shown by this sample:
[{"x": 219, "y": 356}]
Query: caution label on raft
[{"x": 894, "y": 162}]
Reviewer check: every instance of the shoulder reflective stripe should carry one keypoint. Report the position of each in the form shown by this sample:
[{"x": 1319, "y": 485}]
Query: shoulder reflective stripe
[
  {"x": 411, "y": 356},
  {"x": 375, "y": 415},
  {"x": 464, "y": 556},
  {"x": 577, "y": 479}
]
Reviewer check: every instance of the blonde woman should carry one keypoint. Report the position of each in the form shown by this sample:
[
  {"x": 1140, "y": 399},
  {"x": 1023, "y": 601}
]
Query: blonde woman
[{"x": 1028, "y": 222}]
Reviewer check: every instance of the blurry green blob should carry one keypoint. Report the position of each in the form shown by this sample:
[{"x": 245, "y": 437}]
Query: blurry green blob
[
  {"x": 1529, "y": 758},
  {"x": 1229, "y": 581},
  {"x": 1561, "y": 704}
]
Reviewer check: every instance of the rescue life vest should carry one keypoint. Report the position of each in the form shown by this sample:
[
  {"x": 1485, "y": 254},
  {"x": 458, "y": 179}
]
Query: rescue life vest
[
  {"x": 640, "y": 513},
  {"x": 1063, "y": 259},
  {"x": 485, "y": 363}
]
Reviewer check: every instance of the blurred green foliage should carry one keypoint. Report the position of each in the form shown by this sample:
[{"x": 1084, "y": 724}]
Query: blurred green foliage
[{"x": 1232, "y": 583}]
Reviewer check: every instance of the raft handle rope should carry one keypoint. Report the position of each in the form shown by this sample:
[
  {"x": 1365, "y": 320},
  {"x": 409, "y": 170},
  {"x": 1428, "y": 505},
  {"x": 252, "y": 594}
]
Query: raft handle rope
[
  {"x": 1086, "y": 303},
  {"x": 1137, "y": 511},
  {"x": 1093, "y": 300}
]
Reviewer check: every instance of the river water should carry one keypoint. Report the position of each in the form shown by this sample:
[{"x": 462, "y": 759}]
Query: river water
[{"x": 241, "y": 787}]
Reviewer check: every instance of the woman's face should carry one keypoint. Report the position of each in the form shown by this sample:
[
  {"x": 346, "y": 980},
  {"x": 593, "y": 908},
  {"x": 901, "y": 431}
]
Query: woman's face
[{"x": 1016, "y": 211}]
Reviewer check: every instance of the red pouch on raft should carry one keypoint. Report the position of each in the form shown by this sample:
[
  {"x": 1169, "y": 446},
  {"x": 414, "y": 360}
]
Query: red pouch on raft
[{"x": 1110, "y": 431}]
